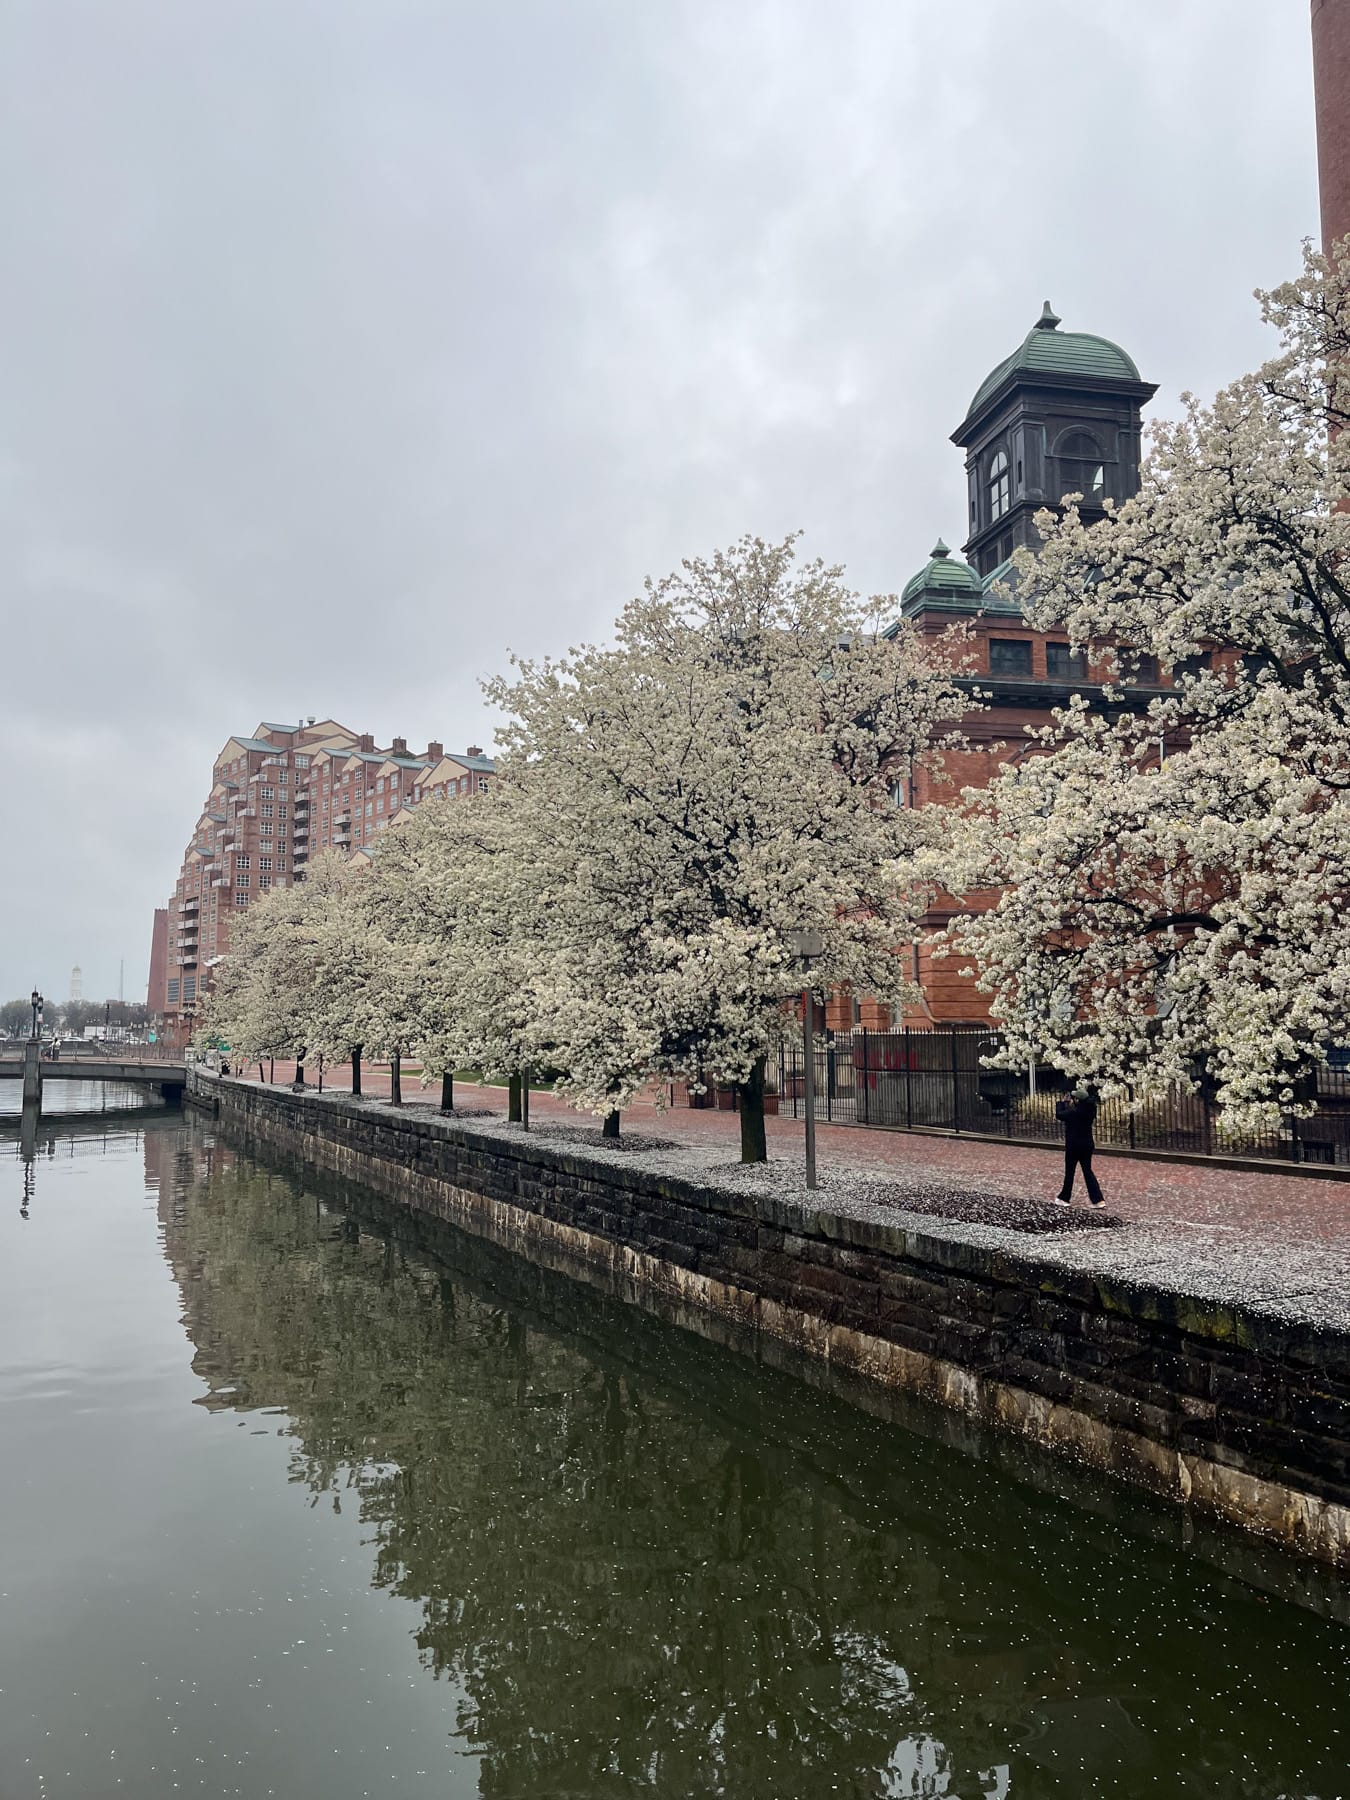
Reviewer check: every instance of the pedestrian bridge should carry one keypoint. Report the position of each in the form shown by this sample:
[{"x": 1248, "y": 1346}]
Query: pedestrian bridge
[{"x": 169, "y": 1075}]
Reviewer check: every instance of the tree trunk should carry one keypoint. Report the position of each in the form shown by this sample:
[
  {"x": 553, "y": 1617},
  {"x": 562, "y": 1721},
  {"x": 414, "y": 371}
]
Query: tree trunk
[
  {"x": 320, "y": 1074},
  {"x": 300, "y": 1070},
  {"x": 513, "y": 1100},
  {"x": 754, "y": 1144},
  {"x": 271, "y": 1068},
  {"x": 610, "y": 1128},
  {"x": 525, "y": 1099},
  {"x": 396, "y": 1079},
  {"x": 448, "y": 1091},
  {"x": 356, "y": 1073}
]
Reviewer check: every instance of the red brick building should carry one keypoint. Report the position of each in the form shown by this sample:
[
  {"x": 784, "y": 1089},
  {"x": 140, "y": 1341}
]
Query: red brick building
[
  {"x": 278, "y": 796},
  {"x": 1331, "y": 92},
  {"x": 159, "y": 957}
]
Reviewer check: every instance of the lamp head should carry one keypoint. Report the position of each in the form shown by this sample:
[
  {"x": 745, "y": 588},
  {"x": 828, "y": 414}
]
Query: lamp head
[{"x": 806, "y": 944}]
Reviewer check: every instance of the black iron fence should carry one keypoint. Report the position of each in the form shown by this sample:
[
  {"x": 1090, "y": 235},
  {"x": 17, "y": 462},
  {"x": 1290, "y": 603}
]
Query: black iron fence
[{"x": 936, "y": 1077}]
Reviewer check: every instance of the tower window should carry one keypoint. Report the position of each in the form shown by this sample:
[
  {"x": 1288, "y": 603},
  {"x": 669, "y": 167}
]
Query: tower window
[
  {"x": 1081, "y": 470},
  {"x": 1000, "y": 487},
  {"x": 1187, "y": 668},
  {"x": 1009, "y": 656},
  {"x": 1062, "y": 663},
  {"x": 1139, "y": 667}
]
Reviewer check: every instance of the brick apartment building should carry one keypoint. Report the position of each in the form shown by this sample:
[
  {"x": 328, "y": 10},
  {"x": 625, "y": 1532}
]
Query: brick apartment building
[{"x": 278, "y": 796}]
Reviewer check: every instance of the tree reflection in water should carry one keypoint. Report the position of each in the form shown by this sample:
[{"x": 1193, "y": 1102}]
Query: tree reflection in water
[{"x": 657, "y": 1567}]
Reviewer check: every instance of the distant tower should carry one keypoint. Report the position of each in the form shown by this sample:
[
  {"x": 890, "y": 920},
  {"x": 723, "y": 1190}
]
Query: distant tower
[
  {"x": 1331, "y": 93},
  {"x": 76, "y": 983},
  {"x": 1058, "y": 416}
]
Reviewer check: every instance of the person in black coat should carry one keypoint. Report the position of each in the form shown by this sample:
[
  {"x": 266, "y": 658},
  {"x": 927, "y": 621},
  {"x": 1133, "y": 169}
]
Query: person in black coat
[{"x": 1077, "y": 1115}]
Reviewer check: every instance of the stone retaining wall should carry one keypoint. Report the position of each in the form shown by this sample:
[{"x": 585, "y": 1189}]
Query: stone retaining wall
[{"x": 1239, "y": 1413}]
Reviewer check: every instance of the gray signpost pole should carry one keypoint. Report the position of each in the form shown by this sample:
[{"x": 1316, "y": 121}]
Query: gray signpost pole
[
  {"x": 809, "y": 1049},
  {"x": 808, "y": 947}
]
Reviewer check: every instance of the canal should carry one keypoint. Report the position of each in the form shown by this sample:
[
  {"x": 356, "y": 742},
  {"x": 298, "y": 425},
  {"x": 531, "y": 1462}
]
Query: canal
[{"x": 298, "y": 1501}]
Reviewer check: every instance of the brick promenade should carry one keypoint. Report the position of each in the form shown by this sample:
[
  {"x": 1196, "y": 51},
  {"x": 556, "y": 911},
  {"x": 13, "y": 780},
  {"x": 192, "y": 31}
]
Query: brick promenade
[{"x": 1268, "y": 1231}]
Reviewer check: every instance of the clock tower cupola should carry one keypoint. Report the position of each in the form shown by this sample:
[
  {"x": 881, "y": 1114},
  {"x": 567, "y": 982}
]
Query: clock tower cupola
[{"x": 1060, "y": 415}]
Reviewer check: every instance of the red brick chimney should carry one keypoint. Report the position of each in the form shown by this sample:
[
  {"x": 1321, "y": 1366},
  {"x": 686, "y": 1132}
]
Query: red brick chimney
[
  {"x": 365, "y": 742},
  {"x": 399, "y": 747},
  {"x": 474, "y": 750},
  {"x": 435, "y": 751},
  {"x": 1331, "y": 92}
]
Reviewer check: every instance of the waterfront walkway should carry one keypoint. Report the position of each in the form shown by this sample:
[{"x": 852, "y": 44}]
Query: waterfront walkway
[{"x": 1266, "y": 1238}]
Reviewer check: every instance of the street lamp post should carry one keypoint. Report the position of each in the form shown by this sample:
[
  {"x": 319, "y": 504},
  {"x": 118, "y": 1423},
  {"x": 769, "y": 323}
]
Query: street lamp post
[
  {"x": 808, "y": 946},
  {"x": 36, "y": 1002}
]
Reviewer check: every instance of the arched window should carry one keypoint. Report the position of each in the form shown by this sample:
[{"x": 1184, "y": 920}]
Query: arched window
[
  {"x": 1000, "y": 487},
  {"x": 1081, "y": 470}
]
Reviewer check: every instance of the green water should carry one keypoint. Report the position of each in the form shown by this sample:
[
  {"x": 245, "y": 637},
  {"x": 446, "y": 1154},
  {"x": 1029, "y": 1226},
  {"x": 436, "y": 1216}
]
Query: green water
[{"x": 290, "y": 1505}]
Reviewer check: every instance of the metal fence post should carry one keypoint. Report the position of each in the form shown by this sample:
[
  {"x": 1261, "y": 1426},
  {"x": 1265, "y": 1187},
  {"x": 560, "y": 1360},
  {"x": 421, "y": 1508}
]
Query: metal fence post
[
  {"x": 861, "y": 1106},
  {"x": 809, "y": 1054},
  {"x": 909, "y": 1082},
  {"x": 956, "y": 1105}
]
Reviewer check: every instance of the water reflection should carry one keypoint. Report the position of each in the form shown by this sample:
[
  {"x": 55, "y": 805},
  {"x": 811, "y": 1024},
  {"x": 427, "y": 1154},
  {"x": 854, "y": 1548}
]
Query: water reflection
[
  {"x": 72, "y": 1114},
  {"x": 652, "y": 1567}
]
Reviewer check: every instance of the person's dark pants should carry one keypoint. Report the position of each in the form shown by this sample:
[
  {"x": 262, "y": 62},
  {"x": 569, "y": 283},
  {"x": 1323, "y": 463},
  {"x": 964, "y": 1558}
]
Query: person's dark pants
[{"x": 1077, "y": 1156}]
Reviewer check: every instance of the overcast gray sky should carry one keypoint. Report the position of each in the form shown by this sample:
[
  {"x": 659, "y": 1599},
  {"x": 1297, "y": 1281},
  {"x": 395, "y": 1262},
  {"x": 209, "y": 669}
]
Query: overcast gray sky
[{"x": 345, "y": 344}]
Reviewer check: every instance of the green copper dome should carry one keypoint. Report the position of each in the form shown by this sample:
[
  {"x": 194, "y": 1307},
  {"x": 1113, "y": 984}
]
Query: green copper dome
[
  {"x": 1046, "y": 350},
  {"x": 943, "y": 577}
]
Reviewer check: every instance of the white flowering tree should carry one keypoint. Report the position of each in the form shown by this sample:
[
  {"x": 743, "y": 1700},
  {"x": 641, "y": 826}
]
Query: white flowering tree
[
  {"x": 454, "y": 891},
  {"x": 690, "y": 798},
  {"x": 354, "y": 986},
  {"x": 260, "y": 1005},
  {"x": 1175, "y": 880}
]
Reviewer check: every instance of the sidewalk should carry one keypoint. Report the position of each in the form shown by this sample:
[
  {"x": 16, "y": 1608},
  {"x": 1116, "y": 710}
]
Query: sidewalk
[{"x": 1258, "y": 1237}]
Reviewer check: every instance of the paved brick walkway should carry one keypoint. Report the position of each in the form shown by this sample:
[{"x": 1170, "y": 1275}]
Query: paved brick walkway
[{"x": 1264, "y": 1237}]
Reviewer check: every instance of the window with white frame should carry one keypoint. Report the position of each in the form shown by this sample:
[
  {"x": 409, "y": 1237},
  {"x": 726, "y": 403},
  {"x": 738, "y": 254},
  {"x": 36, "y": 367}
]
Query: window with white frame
[{"x": 1000, "y": 486}]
